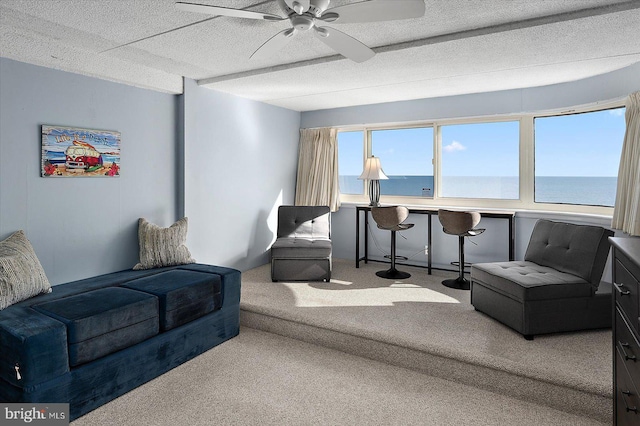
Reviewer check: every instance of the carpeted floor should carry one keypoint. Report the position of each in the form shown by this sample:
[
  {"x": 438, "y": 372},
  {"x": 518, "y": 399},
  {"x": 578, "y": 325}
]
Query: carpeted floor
[
  {"x": 260, "y": 378},
  {"x": 420, "y": 314}
]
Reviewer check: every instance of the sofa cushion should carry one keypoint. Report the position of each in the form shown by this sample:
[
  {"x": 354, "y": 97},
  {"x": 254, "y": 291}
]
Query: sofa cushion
[
  {"x": 183, "y": 295},
  {"x": 103, "y": 321},
  {"x": 300, "y": 248},
  {"x": 21, "y": 274},
  {"x": 522, "y": 280},
  {"x": 161, "y": 247}
]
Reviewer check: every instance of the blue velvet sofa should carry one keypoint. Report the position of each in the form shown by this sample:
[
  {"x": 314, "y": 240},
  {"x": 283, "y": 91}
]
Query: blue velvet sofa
[{"x": 90, "y": 341}]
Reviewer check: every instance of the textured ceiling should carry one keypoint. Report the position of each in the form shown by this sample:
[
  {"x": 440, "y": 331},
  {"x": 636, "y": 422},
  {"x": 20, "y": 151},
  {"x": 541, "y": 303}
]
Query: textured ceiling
[{"x": 459, "y": 46}]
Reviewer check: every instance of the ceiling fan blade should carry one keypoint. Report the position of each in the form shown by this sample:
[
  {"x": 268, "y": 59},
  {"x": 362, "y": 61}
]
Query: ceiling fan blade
[
  {"x": 375, "y": 11},
  {"x": 344, "y": 44},
  {"x": 299, "y": 6},
  {"x": 225, "y": 11},
  {"x": 274, "y": 44}
]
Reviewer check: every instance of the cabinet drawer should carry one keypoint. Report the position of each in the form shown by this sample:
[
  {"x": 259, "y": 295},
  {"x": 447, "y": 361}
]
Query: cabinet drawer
[
  {"x": 627, "y": 399},
  {"x": 626, "y": 293},
  {"x": 628, "y": 348}
]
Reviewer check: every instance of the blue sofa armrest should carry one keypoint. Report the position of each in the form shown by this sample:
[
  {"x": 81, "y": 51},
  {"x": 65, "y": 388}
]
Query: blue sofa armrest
[{"x": 34, "y": 347}]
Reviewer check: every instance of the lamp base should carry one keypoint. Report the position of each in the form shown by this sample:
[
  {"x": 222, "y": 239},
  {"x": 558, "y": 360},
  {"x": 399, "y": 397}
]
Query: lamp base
[{"x": 374, "y": 193}]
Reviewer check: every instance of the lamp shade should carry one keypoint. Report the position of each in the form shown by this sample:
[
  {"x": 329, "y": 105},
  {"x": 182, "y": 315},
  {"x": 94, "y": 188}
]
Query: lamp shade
[{"x": 372, "y": 170}]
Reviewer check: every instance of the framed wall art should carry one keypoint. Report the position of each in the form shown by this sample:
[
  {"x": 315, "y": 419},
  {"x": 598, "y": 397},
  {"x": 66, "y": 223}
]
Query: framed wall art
[{"x": 76, "y": 152}]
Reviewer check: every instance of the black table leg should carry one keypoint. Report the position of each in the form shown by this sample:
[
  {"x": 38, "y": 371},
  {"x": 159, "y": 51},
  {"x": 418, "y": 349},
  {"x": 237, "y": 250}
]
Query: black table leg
[{"x": 357, "y": 237}]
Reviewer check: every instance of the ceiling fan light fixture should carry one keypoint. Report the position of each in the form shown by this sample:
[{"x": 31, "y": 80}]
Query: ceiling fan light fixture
[
  {"x": 330, "y": 17},
  {"x": 322, "y": 32},
  {"x": 317, "y": 7},
  {"x": 298, "y": 8}
]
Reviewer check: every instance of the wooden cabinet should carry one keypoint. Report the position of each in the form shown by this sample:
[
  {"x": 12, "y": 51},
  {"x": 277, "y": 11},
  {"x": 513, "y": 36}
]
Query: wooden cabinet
[{"x": 626, "y": 331}]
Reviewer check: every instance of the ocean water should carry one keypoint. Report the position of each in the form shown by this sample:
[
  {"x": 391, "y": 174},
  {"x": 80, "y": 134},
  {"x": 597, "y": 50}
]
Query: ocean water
[{"x": 596, "y": 191}]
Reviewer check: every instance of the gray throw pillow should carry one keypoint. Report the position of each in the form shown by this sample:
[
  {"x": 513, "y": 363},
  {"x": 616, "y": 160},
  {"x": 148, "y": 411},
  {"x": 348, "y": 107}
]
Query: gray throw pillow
[
  {"x": 21, "y": 274},
  {"x": 162, "y": 246}
]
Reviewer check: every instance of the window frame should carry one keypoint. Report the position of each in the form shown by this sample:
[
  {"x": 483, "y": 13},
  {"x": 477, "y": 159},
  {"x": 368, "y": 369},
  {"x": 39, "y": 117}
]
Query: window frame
[
  {"x": 368, "y": 153},
  {"x": 564, "y": 113},
  {"x": 526, "y": 166}
]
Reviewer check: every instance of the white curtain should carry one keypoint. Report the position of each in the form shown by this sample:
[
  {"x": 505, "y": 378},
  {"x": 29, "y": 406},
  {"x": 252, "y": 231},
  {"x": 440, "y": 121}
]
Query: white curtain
[
  {"x": 626, "y": 214},
  {"x": 317, "y": 183}
]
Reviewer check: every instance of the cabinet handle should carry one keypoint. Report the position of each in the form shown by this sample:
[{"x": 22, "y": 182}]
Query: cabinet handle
[
  {"x": 624, "y": 345},
  {"x": 620, "y": 290},
  {"x": 626, "y": 406}
]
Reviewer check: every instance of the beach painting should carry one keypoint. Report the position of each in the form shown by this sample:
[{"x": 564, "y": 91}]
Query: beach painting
[{"x": 76, "y": 152}]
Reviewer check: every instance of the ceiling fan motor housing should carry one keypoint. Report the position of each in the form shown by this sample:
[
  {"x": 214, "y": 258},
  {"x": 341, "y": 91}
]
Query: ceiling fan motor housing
[{"x": 302, "y": 22}]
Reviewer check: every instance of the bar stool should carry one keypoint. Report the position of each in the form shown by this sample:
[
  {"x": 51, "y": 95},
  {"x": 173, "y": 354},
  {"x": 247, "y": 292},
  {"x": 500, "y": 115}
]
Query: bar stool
[
  {"x": 462, "y": 224},
  {"x": 390, "y": 219}
]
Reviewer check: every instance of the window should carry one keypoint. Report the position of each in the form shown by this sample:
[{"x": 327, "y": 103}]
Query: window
[
  {"x": 406, "y": 157},
  {"x": 577, "y": 157},
  {"x": 481, "y": 160},
  {"x": 350, "y": 161},
  {"x": 565, "y": 163}
]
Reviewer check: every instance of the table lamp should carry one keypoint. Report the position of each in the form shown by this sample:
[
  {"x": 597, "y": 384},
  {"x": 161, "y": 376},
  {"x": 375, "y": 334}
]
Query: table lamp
[{"x": 373, "y": 173}]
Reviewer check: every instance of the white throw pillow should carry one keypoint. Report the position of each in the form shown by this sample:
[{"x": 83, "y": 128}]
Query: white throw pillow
[
  {"x": 21, "y": 274},
  {"x": 162, "y": 246}
]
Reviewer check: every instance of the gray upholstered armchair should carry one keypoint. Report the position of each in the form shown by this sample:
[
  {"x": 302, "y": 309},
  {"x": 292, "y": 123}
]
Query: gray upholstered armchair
[
  {"x": 556, "y": 288},
  {"x": 302, "y": 250}
]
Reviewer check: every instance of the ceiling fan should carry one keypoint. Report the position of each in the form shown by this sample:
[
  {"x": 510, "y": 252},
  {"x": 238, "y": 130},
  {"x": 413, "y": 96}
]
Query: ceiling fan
[{"x": 306, "y": 15}]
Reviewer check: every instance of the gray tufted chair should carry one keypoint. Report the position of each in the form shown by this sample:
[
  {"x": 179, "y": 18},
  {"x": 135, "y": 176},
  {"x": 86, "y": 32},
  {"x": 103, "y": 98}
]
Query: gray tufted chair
[
  {"x": 302, "y": 250},
  {"x": 555, "y": 288},
  {"x": 462, "y": 224},
  {"x": 391, "y": 219}
]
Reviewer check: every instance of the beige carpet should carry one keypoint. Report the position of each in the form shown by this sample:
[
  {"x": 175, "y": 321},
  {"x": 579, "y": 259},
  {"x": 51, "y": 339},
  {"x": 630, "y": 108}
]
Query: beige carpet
[
  {"x": 422, "y": 315},
  {"x": 260, "y": 378}
]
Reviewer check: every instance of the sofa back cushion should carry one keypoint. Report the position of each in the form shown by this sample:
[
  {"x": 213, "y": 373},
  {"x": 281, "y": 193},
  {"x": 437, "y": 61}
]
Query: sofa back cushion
[
  {"x": 310, "y": 222},
  {"x": 580, "y": 250}
]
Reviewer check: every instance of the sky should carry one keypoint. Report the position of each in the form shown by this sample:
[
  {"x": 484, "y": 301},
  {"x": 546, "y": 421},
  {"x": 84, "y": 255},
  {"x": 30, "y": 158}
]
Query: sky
[{"x": 586, "y": 144}]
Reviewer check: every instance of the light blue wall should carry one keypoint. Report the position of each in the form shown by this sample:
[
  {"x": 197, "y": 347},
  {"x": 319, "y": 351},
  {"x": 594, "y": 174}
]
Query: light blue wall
[
  {"x": 491, "y": 246},
  {"x": 225, "y": 162},
  {"x": 602, "y": 88},
  {"x": 82, "y": 227},
  {"x": 240, "y": 165}
]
